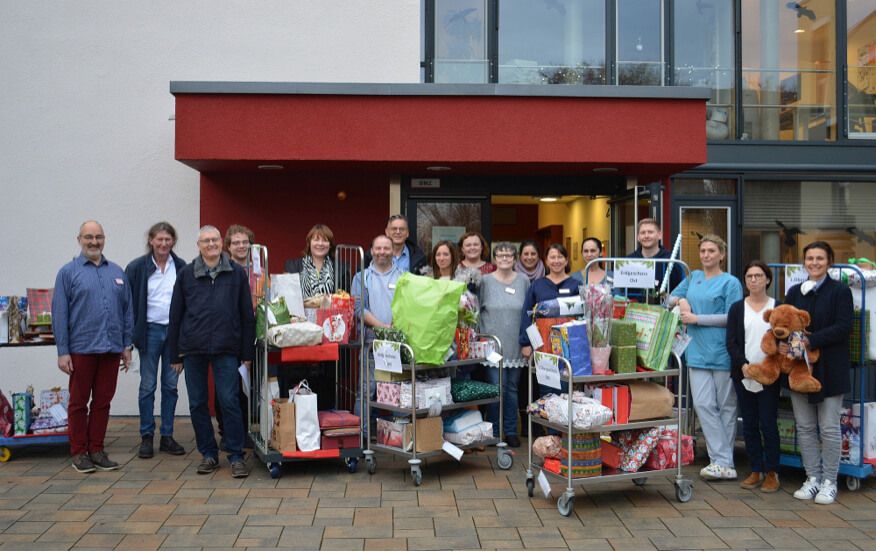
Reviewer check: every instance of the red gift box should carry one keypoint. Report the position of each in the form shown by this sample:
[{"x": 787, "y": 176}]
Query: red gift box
[
  {"x": 329, "y": 419},
  {"x": 611, "y": 455},
  {"x": 665, "y": 454},
  {"x": 552, "y": 465},
  {"x": 336, "y": 324},
  {"x": 617, "y": 398},
  {"x": 340, "y": 441}
]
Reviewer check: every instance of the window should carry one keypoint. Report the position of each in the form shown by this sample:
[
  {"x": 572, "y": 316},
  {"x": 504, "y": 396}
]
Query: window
[
  {"x": 861, "y": 59},
  {"x": 640, "y": 42},
  {"x": 556, "y": 42},
  {"x": 703, "y": 56},
  {"x": 839, "y": 213},
  {"x": 461, "y": 41},
  {"x": 789, "y": 70}
]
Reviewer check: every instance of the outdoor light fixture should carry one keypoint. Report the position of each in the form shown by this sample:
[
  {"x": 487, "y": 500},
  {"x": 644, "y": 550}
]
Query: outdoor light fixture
[
  {"x": 604, "y": 170},
  {"x": 437, "y": 168},
  {"x": 270, "y": 167},
  {"x": 548, "y": 199}
]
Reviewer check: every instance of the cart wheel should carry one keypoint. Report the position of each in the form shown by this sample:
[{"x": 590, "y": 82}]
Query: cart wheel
[
  {"x": 683, "y": 491},
  {"x": 274, "y": 468},
  {"x": 505, "y": 460},
  {"x": 565, "y": 504},
  {"x": 372, "y": 464},
  {"x": 640, "y": 481},
  {"x": 352, "y": 464},
  {"x": 852, "y": 483},
  {"x": 417, "y": 475},
  {"x": 5, "y": 454},
  {"x": 530, "y": 487}
]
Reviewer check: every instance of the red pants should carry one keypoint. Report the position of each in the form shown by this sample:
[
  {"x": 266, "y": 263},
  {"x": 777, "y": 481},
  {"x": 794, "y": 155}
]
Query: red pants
[{"x": 94, "y": 377}]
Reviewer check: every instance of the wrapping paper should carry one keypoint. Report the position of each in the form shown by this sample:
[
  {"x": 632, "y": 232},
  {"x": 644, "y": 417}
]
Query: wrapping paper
[
  {"x": 22, "y": 404},
  {"x": 462, "y": 420},
  {"x": 297, "y": 334},
  {"x": 388, "y": 393},
  {"x": 427, "y": 311},
  {"x": 623, "y": 359},
  {"x": 7, "y": 416},
  {"x": 623, "y": 333},
  {"x": 857, "y": 335},
  {"x": 665, "y": 454},
  {"x": 427, "y": 391},
  {"x": 655, "y": 331},
  {"x": 637, "y": 446},
  {"x": 586, "y": 413},
  {"x": 473, "y": 390},
  {"x": 547, "y": 446},
  {"x": 562, "y": 306},
  {"x": 472, "y": 434}
]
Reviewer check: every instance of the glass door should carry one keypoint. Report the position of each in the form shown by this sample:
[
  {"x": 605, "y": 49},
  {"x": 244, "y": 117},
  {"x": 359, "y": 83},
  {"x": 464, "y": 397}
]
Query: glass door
[
  {"x": 433, "y": 219},
  {"x": 696, "y": 221}
]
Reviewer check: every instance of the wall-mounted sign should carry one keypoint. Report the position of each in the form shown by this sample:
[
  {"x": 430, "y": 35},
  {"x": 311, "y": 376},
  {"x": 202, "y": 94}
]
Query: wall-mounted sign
[{"x": 425, "y": 183}]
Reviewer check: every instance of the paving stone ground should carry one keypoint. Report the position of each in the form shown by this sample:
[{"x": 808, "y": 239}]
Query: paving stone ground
[{"x": 162, "y": 503}]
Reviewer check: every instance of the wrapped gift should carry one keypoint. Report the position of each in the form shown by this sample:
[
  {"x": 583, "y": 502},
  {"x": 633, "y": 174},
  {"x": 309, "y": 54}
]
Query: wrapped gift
[
  {"x": 570, "y": 341},
  {"x": 341, "y": 300},
  {"x": 665, "y": 454},
  {"x": 544, "y": 326},
  {"x": 552, "y": 465},
  {"x": 22, "y": 406},
  {"x": 619, "y": 307},
  {"x": 53, "y": 396},
  {"x": 581, "y": 468},
  {"x": 388, "y": 393},
  {"x": 637, "y": 446},
  {"x": 585, "y": 458},
  {"x": 857, "y": 335},
  {"x": 472, "y": 390},
  {"x": 623, "y": 333},
  {"x": 623, "y": 359},
  {"x": 39, "y": 306},
  {"x": 616, "y": 398},
  {"x": 611, "y": 454},
  {"x": 547, "y": 446},
  {"x": 463, "y": 340},
  {"x": 850, "y": 435},
  {"x": 461, "y": 420},
  {"x": 561, "y": 306},
  {"x": 395, "y": 377},
  {"x": 332, "y": 419},
  {"x": 296, "y": 334},
  {"x": 428, "y": 391},
  {"x": 481, "y": 348},
  {"x": 655, "y": 331},
  {"x": 336, "y": 324},
  {"x": 472, "y": 434},
  {"x": 586, "y": 412},
  {"x": 787, "y": 432},
  {"x": 7, "y": 416},
  {"x": 427, "y": 310}
]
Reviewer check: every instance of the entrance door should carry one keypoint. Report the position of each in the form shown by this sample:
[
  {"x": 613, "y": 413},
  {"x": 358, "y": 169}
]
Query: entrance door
[
  {"x": 697, "y": 220},
  {"x": 436, "y": 218}
]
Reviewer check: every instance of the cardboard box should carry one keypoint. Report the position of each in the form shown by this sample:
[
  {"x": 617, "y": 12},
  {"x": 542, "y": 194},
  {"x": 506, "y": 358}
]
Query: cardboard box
[{"x": 392, "y": 433}]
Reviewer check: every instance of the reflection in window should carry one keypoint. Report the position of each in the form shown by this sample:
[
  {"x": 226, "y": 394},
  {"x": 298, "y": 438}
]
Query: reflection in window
[
  {"x": 461, "y": 41},
  {"x": 552, "y": 42},
  {"x": 703, "y": 56},
  {"x": 788, "y": 68},
  {"x": 704, "y": 187},
  {"x": 640, "y": 42},
  {"x": 861, "y": 58},
  {"x": 839, "y": 213}
]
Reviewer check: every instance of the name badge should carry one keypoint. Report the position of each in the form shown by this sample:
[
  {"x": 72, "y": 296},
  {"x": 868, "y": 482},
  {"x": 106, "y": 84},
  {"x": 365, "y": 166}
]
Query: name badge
[
  {"x": 391, "y": 286},
  {"x": 120, "y": 282},
  {"x": 564, "y": 292},
  {"x": 510, "y": 290}
]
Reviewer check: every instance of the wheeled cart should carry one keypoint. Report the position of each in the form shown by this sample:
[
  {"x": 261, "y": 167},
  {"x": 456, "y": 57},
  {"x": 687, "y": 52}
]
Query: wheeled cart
[
  {"x": 855, "y": 469},
  {"x": 347, "y": 358},
  {"x": 504, "y": 457}
]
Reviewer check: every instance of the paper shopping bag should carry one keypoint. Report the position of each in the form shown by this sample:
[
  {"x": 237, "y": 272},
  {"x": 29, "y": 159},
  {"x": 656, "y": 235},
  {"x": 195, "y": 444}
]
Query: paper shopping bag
[
  {"x": 283, "y": 431},
  {"x": 306, "y": 418},
  {"x": 655, "y": 331}
]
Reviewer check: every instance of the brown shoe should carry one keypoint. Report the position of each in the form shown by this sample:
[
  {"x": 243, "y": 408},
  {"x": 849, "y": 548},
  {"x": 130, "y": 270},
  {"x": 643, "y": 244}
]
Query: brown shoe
[
  {"x": 752, "y": 481},
  {"x": 770, "y": 483}
]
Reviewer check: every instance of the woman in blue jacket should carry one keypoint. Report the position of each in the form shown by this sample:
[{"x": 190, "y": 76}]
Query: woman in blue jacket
[
  {"x": 817, "y": 415},
  {"x": 705, "y": 298}
]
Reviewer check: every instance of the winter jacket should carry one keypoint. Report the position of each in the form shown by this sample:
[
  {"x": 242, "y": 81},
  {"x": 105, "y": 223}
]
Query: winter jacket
[{"x": 139, "y": 270}]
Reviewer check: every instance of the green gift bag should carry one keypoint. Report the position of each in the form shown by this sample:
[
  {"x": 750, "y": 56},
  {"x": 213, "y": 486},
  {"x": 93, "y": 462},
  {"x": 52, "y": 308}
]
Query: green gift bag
[
  {"x": 655, "y": 330},
  {"x": 280, "y": 315},
  {"x": 426, "y": 310}
]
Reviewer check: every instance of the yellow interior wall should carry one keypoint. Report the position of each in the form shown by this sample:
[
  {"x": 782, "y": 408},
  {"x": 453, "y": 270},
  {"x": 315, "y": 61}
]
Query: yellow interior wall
[{"x": 575, "y": 217}]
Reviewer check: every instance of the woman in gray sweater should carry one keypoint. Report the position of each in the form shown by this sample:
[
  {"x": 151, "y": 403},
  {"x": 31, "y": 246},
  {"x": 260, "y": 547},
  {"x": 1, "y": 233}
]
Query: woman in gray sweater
[{"x": 501, "y": 298}]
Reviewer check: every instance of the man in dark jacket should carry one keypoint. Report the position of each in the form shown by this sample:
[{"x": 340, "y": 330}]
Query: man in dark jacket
[
  {"x": 648, "y": 234},
  {"x": 212, "y": 323},
  {"x": 152, "y": 278},
  {"x": 406, "y": 254}
]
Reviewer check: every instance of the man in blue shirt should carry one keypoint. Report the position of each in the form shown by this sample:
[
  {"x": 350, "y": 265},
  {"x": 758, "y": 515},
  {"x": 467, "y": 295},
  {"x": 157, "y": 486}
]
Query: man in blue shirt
[{"x": 93, "y": 323}]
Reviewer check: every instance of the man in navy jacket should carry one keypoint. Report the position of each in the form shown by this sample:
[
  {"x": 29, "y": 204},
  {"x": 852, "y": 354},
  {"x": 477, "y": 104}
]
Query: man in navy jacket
[{"x": 212, "y": 324}]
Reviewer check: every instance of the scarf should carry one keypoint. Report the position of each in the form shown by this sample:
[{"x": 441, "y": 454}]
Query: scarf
[
  {"x": 534, "y": 274},
  {"x": 316, "y": 283}
]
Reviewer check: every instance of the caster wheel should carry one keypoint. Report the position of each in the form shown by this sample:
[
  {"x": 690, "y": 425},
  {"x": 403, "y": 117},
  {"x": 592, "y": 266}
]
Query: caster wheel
[
  {"x": 684, "y": 491},
  {"x": 505, "y": 460},
  {"x": 274, "y": 468},
  {"x": 372, "y": 465},
  {"x": 640, "y": 481},
  {"x": 417, "y": 476},
  {"x": 530, "y": 487},
  {"x": 852, "y": 483},
  {"x": 352, "y": 464},
  {"x": 5, "y": 454},
  {"x": 565, "y": 504}
]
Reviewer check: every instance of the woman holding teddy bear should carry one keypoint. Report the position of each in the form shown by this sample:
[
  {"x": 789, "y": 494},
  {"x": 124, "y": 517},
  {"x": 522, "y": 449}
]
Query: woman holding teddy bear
[{"x": 817, "y": 415}]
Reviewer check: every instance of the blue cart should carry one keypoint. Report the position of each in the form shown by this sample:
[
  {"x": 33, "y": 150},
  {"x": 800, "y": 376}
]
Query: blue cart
[{"x": 21, "y": 441}]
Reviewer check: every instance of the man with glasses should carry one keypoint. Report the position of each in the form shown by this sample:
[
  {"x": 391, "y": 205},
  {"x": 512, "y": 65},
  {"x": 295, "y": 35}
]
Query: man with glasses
[
  {"x": 212, "y": 324},
  {"x": 406, "y": 254},
  {"x": 93, "y": 323}
]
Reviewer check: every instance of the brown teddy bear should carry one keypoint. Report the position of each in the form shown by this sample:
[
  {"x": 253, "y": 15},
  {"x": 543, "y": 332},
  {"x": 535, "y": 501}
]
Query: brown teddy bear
[{"x": 787, "y": 324}]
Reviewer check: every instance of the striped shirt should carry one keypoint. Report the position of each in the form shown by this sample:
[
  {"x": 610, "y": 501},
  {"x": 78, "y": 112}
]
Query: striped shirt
[{"x": 92, "y": 311}]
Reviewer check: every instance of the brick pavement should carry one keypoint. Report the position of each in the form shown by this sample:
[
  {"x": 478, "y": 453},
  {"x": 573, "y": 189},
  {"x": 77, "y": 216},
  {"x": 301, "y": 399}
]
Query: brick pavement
[{"x": 162, "y": 503}]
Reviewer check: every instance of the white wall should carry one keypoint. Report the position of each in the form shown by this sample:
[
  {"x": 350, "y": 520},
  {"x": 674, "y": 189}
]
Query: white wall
[{"x": 85, "y": 129}]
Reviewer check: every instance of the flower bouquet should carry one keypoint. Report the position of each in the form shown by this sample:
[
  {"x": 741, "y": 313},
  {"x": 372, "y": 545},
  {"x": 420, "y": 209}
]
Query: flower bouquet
[{"x": 598, "y": 305}]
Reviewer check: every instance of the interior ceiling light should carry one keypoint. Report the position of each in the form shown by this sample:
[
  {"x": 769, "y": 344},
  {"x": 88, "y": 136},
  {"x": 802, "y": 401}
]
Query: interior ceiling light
[
  {"x": 270, "y": 167},
  {"x": 605, "y": 170},
  {"x": 799, "y": 30},
  {"x": 548, "y": 199},
  {"x": 437, "y": 168}
]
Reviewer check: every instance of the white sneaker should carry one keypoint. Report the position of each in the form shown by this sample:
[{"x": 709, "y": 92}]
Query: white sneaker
[
  {"x": 827, "y": 493},
  {"x": 716, "y": 471},
  {"x": 809, "y": 489}
]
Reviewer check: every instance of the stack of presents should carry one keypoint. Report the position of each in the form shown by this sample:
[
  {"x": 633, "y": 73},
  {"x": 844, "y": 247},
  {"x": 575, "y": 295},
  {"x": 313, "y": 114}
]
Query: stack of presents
[
  {"x": 22, "y": 417},
  {"x": 26, "y": 319}
]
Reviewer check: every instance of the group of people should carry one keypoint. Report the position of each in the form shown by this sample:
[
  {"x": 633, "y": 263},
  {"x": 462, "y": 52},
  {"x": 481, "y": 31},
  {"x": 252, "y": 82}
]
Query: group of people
[{"x": 200, "y": 314}]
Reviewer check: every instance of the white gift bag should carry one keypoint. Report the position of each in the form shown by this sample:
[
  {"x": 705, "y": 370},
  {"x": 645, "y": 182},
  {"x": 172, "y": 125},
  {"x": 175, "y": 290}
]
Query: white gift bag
[
  {"x": 289, "y": 287},
  {"x": 296, "y": 334},
  {"x": 306, "y": 418}
]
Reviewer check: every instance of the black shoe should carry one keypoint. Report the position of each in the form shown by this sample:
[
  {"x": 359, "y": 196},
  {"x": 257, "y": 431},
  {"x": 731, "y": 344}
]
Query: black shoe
[
  {"x": 168, "y": 445},
  {"x": 208, "y": 465},
  {"x": 513, "y": 441},
  {"x": 102, "y": 461},
  {"x": 239, "y": 469},
  {"x": 146, "y": 449},
  {"x": 83, "y": 464}
]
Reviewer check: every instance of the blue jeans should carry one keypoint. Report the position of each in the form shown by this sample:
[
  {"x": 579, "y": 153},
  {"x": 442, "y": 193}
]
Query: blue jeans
[
  {"x": 511, "y": 377},
  {"x": 759, "y": 429},
  {"x": 225, "y": 376},
  {"x": 157, "y": 347}
]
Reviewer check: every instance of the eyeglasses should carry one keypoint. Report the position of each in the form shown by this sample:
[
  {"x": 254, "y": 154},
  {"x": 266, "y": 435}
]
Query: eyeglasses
[
  {"x": 238, "y": 243},
  {"x": 210, "y": 240},
  {"x": 89, "y": 237},
  {"x": 755, "y": 276}
]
